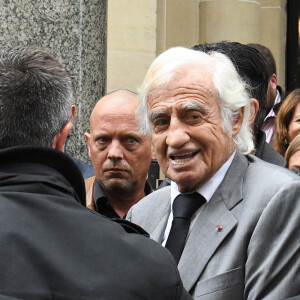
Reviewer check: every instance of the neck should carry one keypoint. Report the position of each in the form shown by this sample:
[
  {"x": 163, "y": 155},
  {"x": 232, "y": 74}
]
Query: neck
[{"x": 122, "y": 203}]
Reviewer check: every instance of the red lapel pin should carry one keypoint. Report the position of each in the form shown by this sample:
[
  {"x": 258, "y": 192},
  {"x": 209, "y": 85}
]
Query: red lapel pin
[{"x": 219, "y": 228}]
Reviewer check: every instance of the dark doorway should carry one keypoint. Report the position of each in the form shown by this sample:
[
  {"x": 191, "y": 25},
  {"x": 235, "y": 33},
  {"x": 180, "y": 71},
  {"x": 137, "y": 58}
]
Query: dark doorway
[{"x": 292, "y": 46}]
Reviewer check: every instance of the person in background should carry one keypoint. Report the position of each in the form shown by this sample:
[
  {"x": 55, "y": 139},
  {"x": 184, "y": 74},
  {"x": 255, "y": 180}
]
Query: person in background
[
  {"x": 274, "y": 95},
  {"x": 292, "y": 155},
  {"x": 51, "y": 245},
  {"x": 229, "y": 219},
  {"x": 120, "y": 155},
  {"x": 287, "y": 122}
]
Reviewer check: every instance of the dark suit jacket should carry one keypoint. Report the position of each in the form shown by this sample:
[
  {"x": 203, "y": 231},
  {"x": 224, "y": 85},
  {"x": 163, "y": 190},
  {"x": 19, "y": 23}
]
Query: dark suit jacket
[
  {"x": 256, "y": 253},
  {"x": 266, "y": 152},
  {"x": 52, "y": 247}
]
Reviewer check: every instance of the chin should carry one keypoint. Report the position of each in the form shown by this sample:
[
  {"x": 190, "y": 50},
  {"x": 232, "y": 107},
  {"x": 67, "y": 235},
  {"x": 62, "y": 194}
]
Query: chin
[
  {"x": 186, "y": 183},
  {"x": 118, "y": 185}
]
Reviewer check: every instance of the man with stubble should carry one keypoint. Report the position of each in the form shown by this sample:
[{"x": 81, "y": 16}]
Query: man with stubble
[{"x": 120, "y": 155}]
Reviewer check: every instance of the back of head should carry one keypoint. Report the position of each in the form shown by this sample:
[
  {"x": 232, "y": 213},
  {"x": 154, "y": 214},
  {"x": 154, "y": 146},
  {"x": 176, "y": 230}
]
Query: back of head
[
  {"x": 252, "y": 69},
  {"x": 267, "y": 56},
  {"x": 228, "y": 85},
  {"x": 35, "y": 97},
  {"x": 283, "y": 119}
]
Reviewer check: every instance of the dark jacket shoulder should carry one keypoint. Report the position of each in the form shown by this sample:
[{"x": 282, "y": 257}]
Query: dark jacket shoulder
[
  {"x": 266, "y": 152},
  {"x": 55, "y": 239}
]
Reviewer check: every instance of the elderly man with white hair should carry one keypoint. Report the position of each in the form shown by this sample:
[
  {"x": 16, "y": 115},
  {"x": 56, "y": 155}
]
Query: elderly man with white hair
[{"x": 230, "y": 220}]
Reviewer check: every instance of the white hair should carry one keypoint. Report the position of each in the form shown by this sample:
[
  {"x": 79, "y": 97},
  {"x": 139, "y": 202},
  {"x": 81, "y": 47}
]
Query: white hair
[{"x": 228, "y": 85}]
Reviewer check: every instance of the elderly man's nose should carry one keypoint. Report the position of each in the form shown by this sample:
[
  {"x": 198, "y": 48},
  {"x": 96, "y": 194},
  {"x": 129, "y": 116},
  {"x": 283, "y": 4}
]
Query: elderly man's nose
[{"x": 176, "y": 134}]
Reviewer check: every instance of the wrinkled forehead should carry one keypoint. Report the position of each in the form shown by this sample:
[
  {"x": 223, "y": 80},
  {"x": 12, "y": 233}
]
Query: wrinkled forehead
[{"x": 183, "y": 81}]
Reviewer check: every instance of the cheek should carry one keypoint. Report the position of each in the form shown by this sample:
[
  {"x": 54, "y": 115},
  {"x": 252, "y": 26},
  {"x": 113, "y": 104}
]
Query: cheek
[
  {"x": 97, "y": 157},
  {"x": 146, "y": 155},
  {"x": 158, "y": 144},
  {"x": 294, "y": 128}
]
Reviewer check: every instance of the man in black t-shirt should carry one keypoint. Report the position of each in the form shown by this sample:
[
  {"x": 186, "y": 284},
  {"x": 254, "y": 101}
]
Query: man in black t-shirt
[{"x": 120, "y": 155}]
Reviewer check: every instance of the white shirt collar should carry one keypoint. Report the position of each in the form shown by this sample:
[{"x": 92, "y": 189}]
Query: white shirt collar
[
  {"x": 276, "y": 101},
  {"x": 206, "y": 190}
]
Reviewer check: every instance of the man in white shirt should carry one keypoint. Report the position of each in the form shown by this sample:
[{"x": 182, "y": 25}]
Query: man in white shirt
[{"x": 224, "y": 215}]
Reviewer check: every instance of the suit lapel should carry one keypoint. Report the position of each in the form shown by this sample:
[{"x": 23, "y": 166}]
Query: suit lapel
[
  {"x": 158, "y": 233},
  {"x": 205, "y": 238},
  {"x": 158, "y": 220}
]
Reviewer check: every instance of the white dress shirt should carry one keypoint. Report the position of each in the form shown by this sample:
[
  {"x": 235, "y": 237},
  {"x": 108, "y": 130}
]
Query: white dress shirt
[
  {"x": 269, "y": 123},
  {"x": 206, "y": 190}
]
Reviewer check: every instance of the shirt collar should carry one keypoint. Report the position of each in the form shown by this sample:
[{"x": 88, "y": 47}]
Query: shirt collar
[
  {"x": 101, "y": 202},
  {"x": 207, "y": 189},
  {"x": 276, "y": 101},
  {"x": 98, "y": 192}
]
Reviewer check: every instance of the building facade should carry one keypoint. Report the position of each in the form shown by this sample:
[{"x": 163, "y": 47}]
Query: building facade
[{"x": 138, "y": 30}]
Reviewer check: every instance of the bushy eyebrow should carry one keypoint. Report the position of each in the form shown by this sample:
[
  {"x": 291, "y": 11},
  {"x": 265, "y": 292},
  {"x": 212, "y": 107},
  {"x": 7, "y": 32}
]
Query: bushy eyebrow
[
  {"x": 195, "y": 106},
  {"x": 156, "y": 114},
  {"x": 189, "y": 106}
]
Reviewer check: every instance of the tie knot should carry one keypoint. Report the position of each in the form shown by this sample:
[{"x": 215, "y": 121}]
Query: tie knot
[{"x": 185, "y": 205}]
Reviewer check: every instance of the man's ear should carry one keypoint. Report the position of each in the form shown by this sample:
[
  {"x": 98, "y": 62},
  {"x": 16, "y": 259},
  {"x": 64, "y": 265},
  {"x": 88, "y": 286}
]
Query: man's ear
[
  {"x": 61, "y": 138},
  {"x": 273, "y": 81},
  {"x": 87, "y": 138},
  {"x": 236, "y": 126},
  {"x": 254, "y": 111}
]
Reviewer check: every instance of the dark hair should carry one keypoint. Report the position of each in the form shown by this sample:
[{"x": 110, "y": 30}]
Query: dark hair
[
  {"x": 251, "y": 68},
  {"x": 267, "y": 56},
  {"x": 35, "y": 97}
]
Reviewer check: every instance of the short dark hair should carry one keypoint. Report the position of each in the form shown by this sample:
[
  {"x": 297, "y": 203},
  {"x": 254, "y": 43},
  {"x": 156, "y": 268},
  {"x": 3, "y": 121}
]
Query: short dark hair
[
  {"x": 35, "y": 97},
  {"x": 251, "y": 68},
  {"x": 267, "y": 56}
]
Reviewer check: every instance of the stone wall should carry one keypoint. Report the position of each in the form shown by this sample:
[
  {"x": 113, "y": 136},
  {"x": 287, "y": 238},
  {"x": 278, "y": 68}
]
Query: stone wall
[{"x": 74, "y": 32}]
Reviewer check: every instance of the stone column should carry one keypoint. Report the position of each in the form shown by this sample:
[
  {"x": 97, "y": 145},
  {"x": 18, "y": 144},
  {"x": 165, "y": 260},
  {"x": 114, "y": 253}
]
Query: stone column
[
  {"x": 246, "y": 21},
  {"x": 74, "y": 32},
  {"x": 273, "y": 33},
  {"x": 177, "y": 23},
  {"x": 231, "y": 20},
  {"x": 131, "y": 42}
]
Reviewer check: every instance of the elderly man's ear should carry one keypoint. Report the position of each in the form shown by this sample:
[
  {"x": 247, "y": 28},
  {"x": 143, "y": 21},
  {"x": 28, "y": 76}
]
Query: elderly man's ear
[
  {"x": 61, "y": 138},
  {"x": 238, "y": 123},
  {"x": 254, "y": 111}
]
